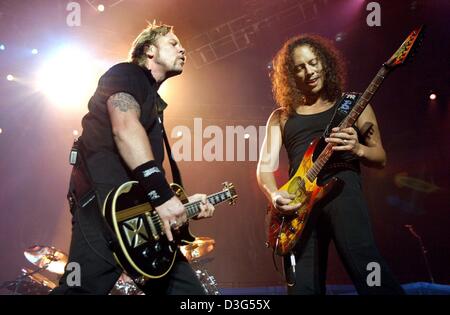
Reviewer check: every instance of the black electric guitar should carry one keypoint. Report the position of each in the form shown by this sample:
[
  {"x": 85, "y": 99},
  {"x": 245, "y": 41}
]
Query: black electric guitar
[{"x": 143, "y": 248}]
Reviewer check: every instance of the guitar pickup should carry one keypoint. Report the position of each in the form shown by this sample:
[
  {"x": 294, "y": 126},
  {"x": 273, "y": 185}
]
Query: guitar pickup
[{"x": 152, "y": 226}]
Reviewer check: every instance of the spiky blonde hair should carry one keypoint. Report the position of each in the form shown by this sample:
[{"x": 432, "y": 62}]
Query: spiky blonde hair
[{"x": 147, "y": 37}]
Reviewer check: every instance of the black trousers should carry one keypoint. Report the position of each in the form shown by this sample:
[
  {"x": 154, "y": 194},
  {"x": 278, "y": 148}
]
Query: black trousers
[
  {"x": 98, "y": 269},
  {"x": 344, "y": 218}
]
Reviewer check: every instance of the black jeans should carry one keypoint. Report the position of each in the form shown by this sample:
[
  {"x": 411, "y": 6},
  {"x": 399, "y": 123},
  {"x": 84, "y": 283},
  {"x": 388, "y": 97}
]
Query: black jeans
[
  {"x": 99, "y": 270},
  {"x": 345, "y": 220}
]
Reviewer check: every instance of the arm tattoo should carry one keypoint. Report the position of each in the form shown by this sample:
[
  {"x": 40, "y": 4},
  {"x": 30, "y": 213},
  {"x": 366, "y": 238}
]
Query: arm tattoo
[{"x": 124, "y": 102}]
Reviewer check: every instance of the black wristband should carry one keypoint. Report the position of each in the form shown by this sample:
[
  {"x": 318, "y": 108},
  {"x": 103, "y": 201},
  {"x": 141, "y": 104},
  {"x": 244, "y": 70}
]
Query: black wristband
[{"x": 153, "y": 182}]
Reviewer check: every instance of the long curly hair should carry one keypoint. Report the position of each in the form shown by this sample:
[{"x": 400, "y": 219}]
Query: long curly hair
[{"x": 286, "y": 93}]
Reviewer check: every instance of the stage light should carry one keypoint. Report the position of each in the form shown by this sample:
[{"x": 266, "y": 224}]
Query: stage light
[
  {"x": 179, "y": 134},
  {"x": 1, "y": 130},
  {"x": 75, "y": 132},
  {"x": 69, "y": 77},
  {"x": 10, "y": 77},
  {"x": 247, "y": 136},
  {"x": 433, "y": 96},
  {"x": 2, "y": 47},
  {"x": 340, "y": 36},
  {"x": 34, "y": 51},
  {"x": 101, "y": 7}
]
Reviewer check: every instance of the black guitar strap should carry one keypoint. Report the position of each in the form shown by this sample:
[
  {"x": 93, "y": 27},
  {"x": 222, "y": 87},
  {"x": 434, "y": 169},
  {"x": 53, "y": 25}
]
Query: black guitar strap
[
  {"x": 346, "y": 103},
  {"x": 176, "y": 176}
]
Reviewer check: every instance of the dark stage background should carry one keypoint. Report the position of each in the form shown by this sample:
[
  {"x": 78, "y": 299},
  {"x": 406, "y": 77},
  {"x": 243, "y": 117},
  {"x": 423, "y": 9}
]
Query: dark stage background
[{"x": 230, "y": 45}]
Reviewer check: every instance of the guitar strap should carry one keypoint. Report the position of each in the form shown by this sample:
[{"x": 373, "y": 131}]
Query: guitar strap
[
  {"x": 346, "y": 103},
  {"x": 176, "y": 176}
]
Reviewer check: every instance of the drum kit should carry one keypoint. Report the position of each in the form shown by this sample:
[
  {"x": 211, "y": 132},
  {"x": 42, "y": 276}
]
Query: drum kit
[
  {"x": 33, "y": 282},
  {"x": 193, "y": 252},
  {"x": 50, "y": 259}
]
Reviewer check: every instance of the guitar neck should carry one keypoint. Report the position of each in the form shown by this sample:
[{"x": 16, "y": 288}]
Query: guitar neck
[
  {"x": 364, "y": 99},
  {"x": 193, "y": 208},
  {"x": 348, "y": 121}
]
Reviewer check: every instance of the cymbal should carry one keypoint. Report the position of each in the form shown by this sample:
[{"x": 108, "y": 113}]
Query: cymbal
[
  {"x": 47, "y": 257},
  {"x": 39, "y": 278},
  {"x": 198, "y": 248}
]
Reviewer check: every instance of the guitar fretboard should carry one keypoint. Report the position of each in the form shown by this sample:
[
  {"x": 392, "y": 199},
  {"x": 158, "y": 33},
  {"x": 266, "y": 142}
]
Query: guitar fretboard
[
  {"x": 348, "y": 121},
  {"x": 193, "y": 208}
]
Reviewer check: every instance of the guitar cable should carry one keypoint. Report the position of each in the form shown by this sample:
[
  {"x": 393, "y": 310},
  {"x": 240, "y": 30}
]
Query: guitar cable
[
  {"x": 290, "y": 278},
  {"x": 87, "y": 240},
  {"x": 293, "y": 263},
  {"x": 276, "y": 245}
]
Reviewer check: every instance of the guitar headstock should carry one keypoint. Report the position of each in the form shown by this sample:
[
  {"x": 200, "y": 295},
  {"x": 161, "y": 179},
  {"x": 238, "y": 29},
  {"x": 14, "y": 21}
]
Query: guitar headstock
[
  {"x": 407, "y": 49},
  {"x": 231, "y": 192}
]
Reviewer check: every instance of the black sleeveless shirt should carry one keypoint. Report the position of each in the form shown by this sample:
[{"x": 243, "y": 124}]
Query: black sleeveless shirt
[
  {"x": 106, "y": 166},
  {"x": 299, "y": 130}
]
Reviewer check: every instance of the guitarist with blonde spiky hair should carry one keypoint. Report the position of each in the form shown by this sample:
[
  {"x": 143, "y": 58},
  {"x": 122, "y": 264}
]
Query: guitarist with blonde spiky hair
[{"x": 123, "y": 140}]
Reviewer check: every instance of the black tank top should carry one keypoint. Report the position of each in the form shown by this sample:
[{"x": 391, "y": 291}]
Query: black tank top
[
  {"x": 298, "y": 133},
  {"x": 104, "y": 162}
]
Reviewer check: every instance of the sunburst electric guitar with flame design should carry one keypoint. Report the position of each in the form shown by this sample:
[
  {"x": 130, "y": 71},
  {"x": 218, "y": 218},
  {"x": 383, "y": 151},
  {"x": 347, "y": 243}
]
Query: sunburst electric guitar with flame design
[
  {"x": 143, "y": 249},
  {"x": 284, "y": 231}
]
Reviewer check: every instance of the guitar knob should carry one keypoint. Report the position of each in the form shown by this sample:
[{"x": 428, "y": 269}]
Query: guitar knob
[
  {"x": 157, "y": 247},
  {"x": 146, "y": 252},
  {"x": 165, "y": 259},
  {"x": 155, "y": 263},
  {"x": 292, "y": 229}
]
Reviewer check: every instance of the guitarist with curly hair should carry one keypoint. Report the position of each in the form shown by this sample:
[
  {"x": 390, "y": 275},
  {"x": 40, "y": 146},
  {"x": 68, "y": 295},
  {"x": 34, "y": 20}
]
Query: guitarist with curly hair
[{"x": 308, "y": 79}]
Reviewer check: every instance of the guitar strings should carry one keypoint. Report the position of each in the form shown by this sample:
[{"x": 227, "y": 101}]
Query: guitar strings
[{"x": 191, "y": 208}]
